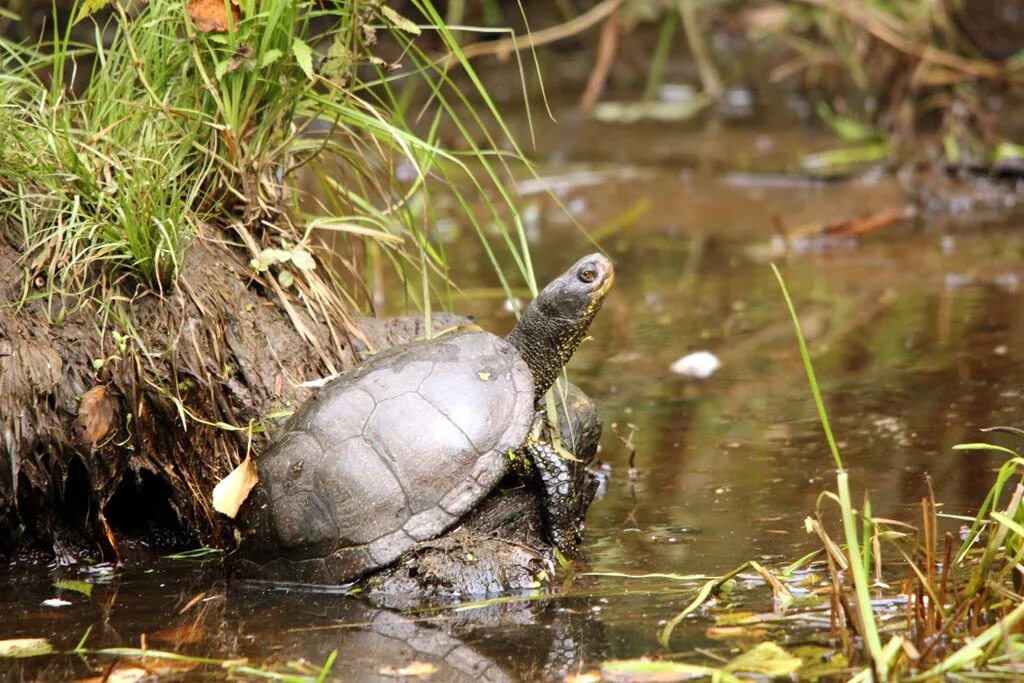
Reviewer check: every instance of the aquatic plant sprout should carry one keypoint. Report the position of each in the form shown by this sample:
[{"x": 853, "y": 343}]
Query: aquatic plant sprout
[{"x": 857, "y": 567}]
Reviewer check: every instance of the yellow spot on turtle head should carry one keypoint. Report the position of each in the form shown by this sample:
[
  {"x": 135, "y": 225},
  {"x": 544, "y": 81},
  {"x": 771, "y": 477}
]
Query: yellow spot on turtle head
[{"x": 483, "y": 375}]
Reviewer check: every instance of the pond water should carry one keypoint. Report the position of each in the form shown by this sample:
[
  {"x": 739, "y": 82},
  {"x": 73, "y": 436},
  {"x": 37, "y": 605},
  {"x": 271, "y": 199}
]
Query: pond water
[{"x": 916, "y": 335}]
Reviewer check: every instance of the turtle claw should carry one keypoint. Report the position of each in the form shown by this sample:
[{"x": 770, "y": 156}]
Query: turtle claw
[
  {"x": 561, "y": 509},
  {"x": 568, "y": 487}
]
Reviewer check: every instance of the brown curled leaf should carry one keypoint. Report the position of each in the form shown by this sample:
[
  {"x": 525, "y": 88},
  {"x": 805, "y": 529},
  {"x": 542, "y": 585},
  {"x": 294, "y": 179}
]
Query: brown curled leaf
[
  {"x": 97, "y": 414},
  {"x": 212, "y": 15}
]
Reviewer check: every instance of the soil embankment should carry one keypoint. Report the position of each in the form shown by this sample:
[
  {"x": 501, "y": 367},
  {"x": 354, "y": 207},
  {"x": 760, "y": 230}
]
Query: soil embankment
[{"x": 120, "y": 413}]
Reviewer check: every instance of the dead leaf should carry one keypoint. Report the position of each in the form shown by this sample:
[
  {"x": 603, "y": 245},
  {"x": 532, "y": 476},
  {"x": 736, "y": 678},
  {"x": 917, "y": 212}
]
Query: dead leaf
[
  {"x": 83, "y": 587},
  {"x": 111, "y": 550},
  {"x": 645, "y": 670},
  {"x": 132, "y": 669},
  {"x": 584, "y": 677},
  {"x": 184, "y": 634},
  {"x": 211, "y": 15},
  {"x": 871, "y": 222},
  {"x": 162, "y": 667},
  {"x": 97, "y": 414},
  {"x": 119, "y": 674},
  {"x": 412, "y": 670},
  {"x": 767, "y": 659},
  {"x": 231, "y": 491},
  {"x": 727, "y": 632},
  {"x": 242, "y": 57},
  {"x": 399, "y": 21},
  {"x": 25, "y": 647}
]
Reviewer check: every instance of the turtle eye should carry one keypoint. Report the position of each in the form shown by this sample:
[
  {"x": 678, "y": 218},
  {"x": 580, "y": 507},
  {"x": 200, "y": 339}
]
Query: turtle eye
[{"x": 587, "y": 275}]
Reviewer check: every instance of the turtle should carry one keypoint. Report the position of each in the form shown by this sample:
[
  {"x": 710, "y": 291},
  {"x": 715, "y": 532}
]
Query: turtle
[
  {"x": 500, "y": 545},
  {"x": 397, "y": 449}
]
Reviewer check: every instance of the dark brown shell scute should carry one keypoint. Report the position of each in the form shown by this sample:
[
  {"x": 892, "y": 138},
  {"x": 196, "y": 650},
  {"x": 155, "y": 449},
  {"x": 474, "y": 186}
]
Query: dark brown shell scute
[{"x": 392, "y": 453}]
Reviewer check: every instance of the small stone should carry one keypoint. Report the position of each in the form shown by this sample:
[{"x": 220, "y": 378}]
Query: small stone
[
  {"x": 698, "y": 365},
  {"x": 55, "y": 602}
]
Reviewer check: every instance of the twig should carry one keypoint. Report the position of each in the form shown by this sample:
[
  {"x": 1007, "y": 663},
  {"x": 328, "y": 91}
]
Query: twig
[
  {"x": 592, "y": 17},
  {"x": 606, "y": 49},
  {"x": 708, "y": 75},
  {"x": 628, "y": 443},
  {"x": 888, "y": 33}
]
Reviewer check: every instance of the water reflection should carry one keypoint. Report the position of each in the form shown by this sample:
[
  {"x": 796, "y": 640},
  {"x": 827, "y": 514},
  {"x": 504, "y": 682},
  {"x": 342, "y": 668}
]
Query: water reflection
[{"x": 193, "y": 611}]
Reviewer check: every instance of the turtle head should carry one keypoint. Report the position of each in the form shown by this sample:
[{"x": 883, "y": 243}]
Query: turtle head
[{"x": 556, "y": 322}]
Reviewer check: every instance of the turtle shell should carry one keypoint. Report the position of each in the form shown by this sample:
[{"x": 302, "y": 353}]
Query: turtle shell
[{"x": 390, "y": 453}]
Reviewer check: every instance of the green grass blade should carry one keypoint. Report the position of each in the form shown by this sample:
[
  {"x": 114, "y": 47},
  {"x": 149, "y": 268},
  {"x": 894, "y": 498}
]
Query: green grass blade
[
  {"x": 857, "y": 568},
  {"x": 809, "y": 369}
]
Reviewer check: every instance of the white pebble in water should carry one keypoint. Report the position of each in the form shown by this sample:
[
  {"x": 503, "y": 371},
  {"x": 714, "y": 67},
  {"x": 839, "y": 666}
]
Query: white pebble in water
[
  {"x": 55, "y": 602},
  {"x": 699, "y": 365}
]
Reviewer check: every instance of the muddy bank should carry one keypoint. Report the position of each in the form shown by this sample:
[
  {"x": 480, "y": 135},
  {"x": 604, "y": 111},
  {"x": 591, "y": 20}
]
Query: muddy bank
[{"x": 119, "y": 414}]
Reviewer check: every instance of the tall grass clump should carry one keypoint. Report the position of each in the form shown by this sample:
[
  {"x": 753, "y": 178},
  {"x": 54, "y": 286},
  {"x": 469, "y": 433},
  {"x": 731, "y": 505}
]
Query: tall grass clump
[
  {"x": 108, "y": 180},
  {"x": 134, "y": 134}
]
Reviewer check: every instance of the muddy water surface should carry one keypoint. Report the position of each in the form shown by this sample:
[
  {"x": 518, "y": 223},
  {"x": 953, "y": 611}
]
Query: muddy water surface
[{"x": 917, "y": 338}]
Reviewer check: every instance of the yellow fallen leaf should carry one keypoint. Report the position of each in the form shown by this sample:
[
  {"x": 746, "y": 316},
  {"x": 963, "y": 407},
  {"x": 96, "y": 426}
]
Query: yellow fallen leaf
[
  {"x": 83, "y": 587},
  {"x": 120, "y": 674},
  {"x": 644, "y": 670},
  {"x": 720, "y": 632},
  {"x": 25, "y": 647},
  {"x": 412, "y": 670},
  {"x": 231, "y": 491},
  {"x": 767, "y": 659}
]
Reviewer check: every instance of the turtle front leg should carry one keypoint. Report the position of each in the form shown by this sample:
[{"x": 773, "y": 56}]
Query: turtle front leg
[{"x": 557, "y": 477}]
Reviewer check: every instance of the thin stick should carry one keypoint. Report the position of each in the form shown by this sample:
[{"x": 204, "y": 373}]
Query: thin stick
[
  {"x": 606, "y": 49},
  {"x": 592, "y": 17},
  {"x": 691, "y": 26}
]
